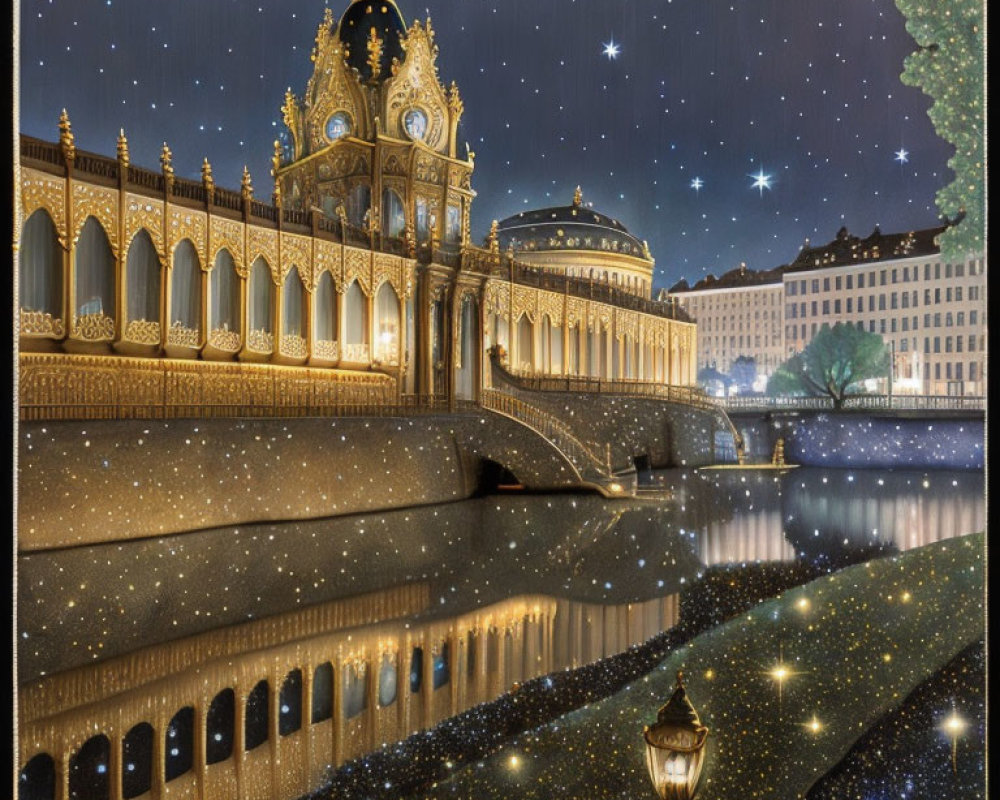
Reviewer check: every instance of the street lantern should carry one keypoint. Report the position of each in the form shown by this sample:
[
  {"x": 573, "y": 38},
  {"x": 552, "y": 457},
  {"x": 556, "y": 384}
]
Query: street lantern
[{"x": 675, "y": 747}]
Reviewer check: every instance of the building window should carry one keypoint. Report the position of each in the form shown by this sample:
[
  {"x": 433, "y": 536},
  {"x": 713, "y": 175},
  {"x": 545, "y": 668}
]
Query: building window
[
  {"x": 881, "y": 302},
  {"x": 882, "y": 277},
  {"x": 972, "y": 344},
  {"x": 947, "y": 295},
  {"x": 894, "y": 276},
  {"x": 959, "y": 342},
  {"x": 836, "y": 306},
  {"x": 871, "y": 326},
  {"x": 815, "y": 285},
  {"x": 937, "y": 272},
  {"x": 861, "y": 281},
  {"x": 972, "y": 371},
  {"x": 927, "y": 320},
  {"x": 814, "y": 329},
  {"x": 960, "y": 270},
  {"x": 947, "y": 320},
  {"x": 927, "y": 297},
  {"x": 947, "y": 368},
  {"x": 914, "y": 300},
  {"x": 791, "y": 288},
  {"x": 927, "y": 345},
  {"x": 927, "y": 272},
  {"x": 850, "y": 305},
  {"x": 871, "y": 302},
  {"x": 837, "y": 283},
  {"x": 973, "y": 317},
  {"x": 850, "y": 280},
  {"x": 881, "y": 325},
  {"x": 826, "y": 306},
  {"x": 906, "y": 323},
  {"x": 937, "y": 320},
  {"x": 826, "y": 284},
  {"x": 904, "y": 345},
  {"x": 947, "y": 344},
  {"x": 958, "y": 371},
  {"x": 906, "y": 300},
  {"x": 814, "y": 304},
  {"x": 802, "y": 287},
  {"x": 937, "y": 372},
  {"x": 958, "y": 294},
  {"x": 892, "y": 326},
  {"x": 893, "y": 300},
  {"x": 937, "y": 344},
  {"x": 927, "y": 372},
  {"x": 947, "y": 270}
]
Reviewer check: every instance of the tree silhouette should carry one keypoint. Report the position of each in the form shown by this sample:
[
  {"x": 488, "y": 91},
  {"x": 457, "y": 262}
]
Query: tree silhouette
[{"x": 834, "y": 360}]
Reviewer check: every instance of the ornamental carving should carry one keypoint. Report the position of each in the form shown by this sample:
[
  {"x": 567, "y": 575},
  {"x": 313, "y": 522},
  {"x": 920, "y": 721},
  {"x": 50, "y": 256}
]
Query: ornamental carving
[
  {"x": 184, "y": 224},
  {"x": 415, "y": 83},
  {"x": 355, "y": 353},
  {"x": 329, "y": 258},
  {"x": 297, "y": 251},
  {"x": 525, "y": 302},
  {"x": 178, "y": 334},
  {"x": 498, "y": 300},
  {"x": 41, "y": 191},
  {"x": 429, "y": 168},
  {"x": 93, "y": 328},
  {"x": 326, "y": 349},
  {"x": 576, "y": 312},
  {"x": 142, "y": 331},
  {"x": 294, "y": 346},
  {"x": 141, "y": 212},
  {"x": 393, "y": 164},
  {"x": 388, "y": 268},
  {"x": 260, "y": 341},
  {"x": 263, "y": 242},
  {"x": 228, "y": 234},
  {"x": 97, "y": 202},
  {"x": 356, "y": 267},
  {"x": 332, "y": 87},
  {"x": 41, "y": 323},
  {"x": 224, "y": 339},
  {"x": 551, "y": 304}
]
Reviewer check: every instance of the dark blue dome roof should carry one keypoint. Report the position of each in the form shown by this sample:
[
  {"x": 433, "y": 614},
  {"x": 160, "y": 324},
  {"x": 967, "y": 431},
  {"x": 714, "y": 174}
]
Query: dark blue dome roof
[
  {"x": 355, "y": 28},
  {"x": 574, "y": 227}
]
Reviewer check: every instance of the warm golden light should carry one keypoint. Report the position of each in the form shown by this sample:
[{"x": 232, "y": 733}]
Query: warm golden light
[
  {"x": 955, "y": 725},
  {"x": 803, "y": 604},
  {"x": 814, "y": 725},
  {"x": 905, "y": 597}
]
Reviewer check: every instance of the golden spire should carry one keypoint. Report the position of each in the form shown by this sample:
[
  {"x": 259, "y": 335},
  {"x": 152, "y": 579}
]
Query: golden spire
[
  {"x": 578, "y": 196},
  {"x": 206, "y": 178},
  {"x": 166, "y": 161},
  {"x": 66, "y": 137},
  {"x": 275, "y": 167},
  {"x": 123, "y": 157},
  {"x": 494, "y": 238},
  {"x": 454, "y": 100},
  {"x": 246, "y": 185},
  {"x": 374, "y": 54}
]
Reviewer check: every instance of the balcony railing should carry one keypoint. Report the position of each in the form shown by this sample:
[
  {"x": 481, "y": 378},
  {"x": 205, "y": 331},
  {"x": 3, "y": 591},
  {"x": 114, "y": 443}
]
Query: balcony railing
[{"x": 861, "y": 402}]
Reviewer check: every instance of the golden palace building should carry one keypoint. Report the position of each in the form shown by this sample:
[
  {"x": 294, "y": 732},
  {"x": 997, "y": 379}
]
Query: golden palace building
[{"x": 145, "y": 294}]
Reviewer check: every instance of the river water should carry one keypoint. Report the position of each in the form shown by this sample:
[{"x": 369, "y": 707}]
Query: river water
[{"x": 81, "y": 605}]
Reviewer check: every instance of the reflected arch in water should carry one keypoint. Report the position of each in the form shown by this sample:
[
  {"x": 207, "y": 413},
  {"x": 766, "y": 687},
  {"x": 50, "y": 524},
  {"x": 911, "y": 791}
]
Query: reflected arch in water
[
  {"x": 179, "y": 744},
  {"x": 255, "y": 728},
  {"x": 37, "y": 780},
  {"x": 220, "y": 725},
  {"x": 290, "y": 703},
  {"x": 137, "y": 760},
  {"x": 89, "y": 770}
]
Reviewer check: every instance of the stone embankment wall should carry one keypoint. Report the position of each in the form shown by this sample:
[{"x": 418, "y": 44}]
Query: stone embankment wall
[
  {"x": 850, "y": 439},
  {"x": 87, "y": 482}
]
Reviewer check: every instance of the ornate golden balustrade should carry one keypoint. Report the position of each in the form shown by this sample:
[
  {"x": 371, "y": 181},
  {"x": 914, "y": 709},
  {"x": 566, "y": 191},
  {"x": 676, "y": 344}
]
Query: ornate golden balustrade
[{"x": 58, "y": 386}]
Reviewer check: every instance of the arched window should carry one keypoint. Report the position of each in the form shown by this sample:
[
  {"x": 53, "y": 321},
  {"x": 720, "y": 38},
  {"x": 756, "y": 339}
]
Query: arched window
[
  {"x": 137, "y": 760},
  {"x": 322, "y": 698},
  {"x": 387, "y": 682},
  {"x": 423, "y": 220},
  {"x": 387, "y": 325},
  {"x": 179, "y": 744},
  {"x": 393, "y": 214},
  {"x": 255, "y": 727},
  {"x": 442, "y": 666},
  {"x": 224, "y": 303},
  {"x": 260, "y": 308},
  {"x": 325, "y": 318},
  {"x": 37, "y": 780},
  {"x": 89, "y": 770},
  {"x": 95, "y": 273},
  {"x": 359, "y": 203},
  {"x": 290, "y": 703},
  {"x": 470, "y": 654},
  {"x": 453, "y": 224},
  {"x": 604, "y": 346},
  {"x": 525, "y": 344},
  {"x": 546, "y": 344},
  {"x": 142, "y": 280},
  {"x": 293, "y": 311},
  {"x": 416, "y": 669},
  {"x": 185, "y": 295},
  {"x": 355, "y": 324},
  {"x": 573, "y": 354},
  {"x": 40, "y": 273},
  {"x": 355, "y": 690},
  {"x": 220, "y": 727},
  {"x": 467, "y": 349}
]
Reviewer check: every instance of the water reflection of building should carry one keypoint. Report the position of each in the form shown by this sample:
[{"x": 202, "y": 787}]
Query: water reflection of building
[
  {"x": 264, "y": 710},
  {"x": 360, "y": 272}
]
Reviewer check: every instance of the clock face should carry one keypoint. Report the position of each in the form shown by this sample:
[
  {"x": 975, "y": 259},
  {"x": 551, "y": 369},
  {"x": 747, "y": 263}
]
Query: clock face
[
  {"x": 337, "y": 126},
  {"x": 415, "y": 122}
]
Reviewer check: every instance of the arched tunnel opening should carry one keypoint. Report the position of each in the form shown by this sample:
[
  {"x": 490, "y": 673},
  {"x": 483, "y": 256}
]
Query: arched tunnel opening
[{"x": 494, "y": 478}]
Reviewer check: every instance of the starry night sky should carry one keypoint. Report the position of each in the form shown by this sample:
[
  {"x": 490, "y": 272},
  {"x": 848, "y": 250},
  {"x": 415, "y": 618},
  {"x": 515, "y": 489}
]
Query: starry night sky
[{"x": 806, "y": 91}]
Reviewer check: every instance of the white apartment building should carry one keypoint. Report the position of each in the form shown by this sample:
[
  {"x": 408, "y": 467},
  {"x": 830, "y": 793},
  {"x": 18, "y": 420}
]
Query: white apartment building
[{"x": 931, "y": 314}]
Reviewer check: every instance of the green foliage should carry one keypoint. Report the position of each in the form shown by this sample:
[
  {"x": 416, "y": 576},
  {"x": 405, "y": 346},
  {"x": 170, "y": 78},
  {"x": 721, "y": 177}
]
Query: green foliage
[
  {"x": 948, "y": 66},
  {"x": 834, "y": 360}
]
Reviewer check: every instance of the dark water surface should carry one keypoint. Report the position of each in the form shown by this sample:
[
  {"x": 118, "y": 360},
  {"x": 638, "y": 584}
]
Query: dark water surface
[{"x": 80, "y": 605}]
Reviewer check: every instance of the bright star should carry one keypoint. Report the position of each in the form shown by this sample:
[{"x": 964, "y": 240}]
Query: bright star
[
  {"x": 902, "y": 156},
  {"x": 697, "y": 183},
  {"x": 761, "y": 181},
  {"x": 611, "y": 50}
]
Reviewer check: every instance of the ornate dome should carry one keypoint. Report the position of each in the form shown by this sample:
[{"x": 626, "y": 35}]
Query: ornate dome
[
  {"x": 355, "y": 30},
  {"x": 573, "y": 227}
]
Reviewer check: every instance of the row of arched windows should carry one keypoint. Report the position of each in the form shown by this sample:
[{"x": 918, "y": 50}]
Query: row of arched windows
[
  {"x": 94, "y": 294},
  {"x": 357, "y": 207},
  {"x": 89, "y": 767}
]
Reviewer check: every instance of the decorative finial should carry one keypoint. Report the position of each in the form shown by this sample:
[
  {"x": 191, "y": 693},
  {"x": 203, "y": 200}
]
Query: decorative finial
[
  {"x": 578, "y": 196},
  {"x": 246, "y": 184},
  {"x": 166, "y": 162},
  {"x": 66, "y": 137},
  {"x": 123, "y": 157},
  {"x": 494, "y": 237},
  {"x": 275, "y": 167},
  {"x": 454, "y": 100},
  {"x": 206, "y": 178},
  {"x": 374, "y": 54}
]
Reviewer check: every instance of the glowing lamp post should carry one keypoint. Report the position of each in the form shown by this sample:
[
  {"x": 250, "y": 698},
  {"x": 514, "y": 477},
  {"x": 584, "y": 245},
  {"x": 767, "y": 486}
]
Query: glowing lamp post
[{"x": 675, "y": 747}]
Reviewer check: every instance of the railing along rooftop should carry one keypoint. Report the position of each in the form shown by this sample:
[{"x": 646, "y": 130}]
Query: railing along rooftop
[{"x": 861, "y": 402}]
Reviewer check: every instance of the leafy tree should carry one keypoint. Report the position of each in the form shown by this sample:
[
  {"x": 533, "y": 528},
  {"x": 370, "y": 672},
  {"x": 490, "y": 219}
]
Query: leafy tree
[
  {"x": 834, "y": 360},
  {"x": 743, "y": 373},
  {"x": 709, "y": 376},
  {"x": 948, "y": 66}
]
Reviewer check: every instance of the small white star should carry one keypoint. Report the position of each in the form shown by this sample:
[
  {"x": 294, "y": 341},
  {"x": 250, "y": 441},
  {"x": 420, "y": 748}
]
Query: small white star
[
  {"x": 611, "y": 50},
  {"x": 697, "y": 183},
  {"x": 761, "y": 181},
  {"x": 902, "y": 156}
]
